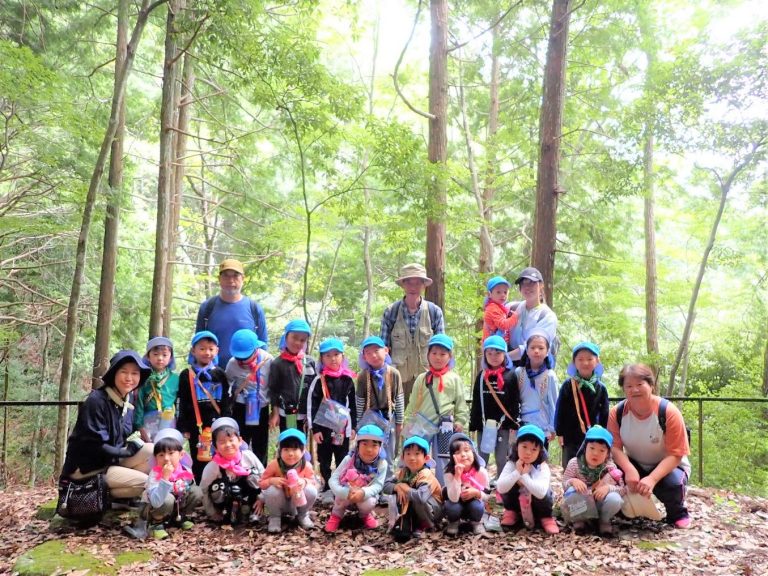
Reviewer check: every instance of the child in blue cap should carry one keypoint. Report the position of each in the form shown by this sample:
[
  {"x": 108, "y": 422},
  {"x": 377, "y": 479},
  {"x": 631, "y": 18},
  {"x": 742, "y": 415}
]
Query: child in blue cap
[
  {"x": 379, "y": 394},
  {"x": 592, "y": 473},
  {"x": 583, "y": 399},
  {"x": 247, "y": 372},
  {"x": 358, "y": 480},
  {"x": 524, "y": 483},
  {"x": 418, "y": 496},
  {"x": 335, "y": 382},
  {"x": 203, "y": 397},
  {"x": 155, "y": 403},
  {"x": 498, "y": 318},
  {"x": 288, "y": 483},
  {"x": 439, "y": 396},
  {"x": 290, "y": 375},
  {"x": 495, "y": 410}
]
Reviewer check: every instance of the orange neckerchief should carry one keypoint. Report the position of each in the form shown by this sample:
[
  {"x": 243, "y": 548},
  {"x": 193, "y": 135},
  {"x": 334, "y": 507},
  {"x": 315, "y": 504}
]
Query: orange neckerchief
[{"x": 439, "y": 374}]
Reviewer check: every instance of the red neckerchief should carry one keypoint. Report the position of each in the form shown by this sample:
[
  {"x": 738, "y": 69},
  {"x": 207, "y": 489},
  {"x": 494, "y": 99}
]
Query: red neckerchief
[
  {"x": 439, "y": 374},
  {"x": 254, "y": 366},
  {"x": 297, "y": 359},
  {"x": 488, "y": 372}
]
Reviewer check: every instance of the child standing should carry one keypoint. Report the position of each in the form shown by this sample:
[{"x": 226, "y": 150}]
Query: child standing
[
  {"x": 171, "y": 493},
  {"x": 290, "y": 375},
  {"x": 418, "y": 493},
  {"x": 537, "y": 385},
  {"x": 335, "y": 381},
  {"x": 358, "y": 480},
  {"x": 230, "y": 483},
  {"x": 524, "y": 482},
  {"x": 155, "y": 407},
  {"x": 583, "y": 399},
  {"x": 466, "y": 485},
  {"x": 247, "y": 372},
  {"x": 203, "y": 397},
  {"x": 288, "y": 482},
  {"x": 498, "y": 319},
  {"x": 379, "y": 389},
  {"x": 592, "y": 473},
  {"x": 495, "y": 402}
]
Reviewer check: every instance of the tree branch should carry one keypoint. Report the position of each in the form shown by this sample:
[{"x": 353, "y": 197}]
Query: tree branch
[
  {"x": 397, "y": 67},
  {"x": 491, "y": 27}
]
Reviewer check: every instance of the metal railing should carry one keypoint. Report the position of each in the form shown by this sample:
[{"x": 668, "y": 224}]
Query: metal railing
[{"x": 700, "y": 400}]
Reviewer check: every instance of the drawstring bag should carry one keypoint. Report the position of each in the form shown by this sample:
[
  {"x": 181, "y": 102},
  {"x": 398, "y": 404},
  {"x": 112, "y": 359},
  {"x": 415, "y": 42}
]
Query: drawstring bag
[{"x": 83, "y": 500}]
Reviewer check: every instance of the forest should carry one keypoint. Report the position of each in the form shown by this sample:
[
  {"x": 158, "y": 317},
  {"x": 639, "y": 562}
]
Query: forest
[{"x": 618, "y": 146}]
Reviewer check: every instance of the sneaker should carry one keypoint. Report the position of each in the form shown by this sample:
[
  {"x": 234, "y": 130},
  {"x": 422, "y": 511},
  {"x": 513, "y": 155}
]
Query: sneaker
[
  {"x": 370, "y": 522},
  {"x": 333, "y": 523},
  {"x": 549, "y": 525},
  {"x": 509, "y": 518},
  {"x": 254, "y": 517},
  {"x": 526, "y": 511},
  {"x": 683, "y": 523},
  {"x": 605, "y": 528},
  {"x": 478, "y": 528},
  {"x": 452, "y": 529},
  {"x": 187, "y": 525},
  {"x": 305, "y": 522},
  {"x": 159, "y": 532},
  {"x": 275, "y": 525}
]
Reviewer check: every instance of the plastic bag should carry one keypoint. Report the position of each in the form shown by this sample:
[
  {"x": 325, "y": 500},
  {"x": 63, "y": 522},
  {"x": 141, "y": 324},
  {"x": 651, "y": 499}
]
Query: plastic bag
[
  {"x": 419, "y": 425},
  {"x": 332, "y": 415},
  {"x": 578, "y": 507},
  {"x": 376, "y": 418}
]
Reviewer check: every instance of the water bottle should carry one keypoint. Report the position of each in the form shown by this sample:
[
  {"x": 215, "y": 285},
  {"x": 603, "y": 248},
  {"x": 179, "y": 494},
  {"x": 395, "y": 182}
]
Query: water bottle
[
  {"x": 488, "y": 438},
  {"x": 204, "y": 445},
  {"x": 252, "y": 408},
  {"x": 299, "y": 498}
]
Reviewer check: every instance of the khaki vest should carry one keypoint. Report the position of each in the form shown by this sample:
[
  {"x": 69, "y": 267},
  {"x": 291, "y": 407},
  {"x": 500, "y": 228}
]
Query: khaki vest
[{"x": 409, "y": 352}]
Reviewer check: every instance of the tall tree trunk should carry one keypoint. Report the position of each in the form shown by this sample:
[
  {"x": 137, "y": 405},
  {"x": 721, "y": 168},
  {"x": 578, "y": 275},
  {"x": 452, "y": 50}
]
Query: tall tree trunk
[
  {"x": 6, "y": 359},
  {"x": 438, "y": 141},
  {"x": 37, "y": 433},
  {"x": 725, "y": 188},
  {"x": 118, "y": 93},
  {"x": 485, "y": 261},
  {"x": 765, "y": 369},
  {"x": 168, "y": 122},
  {"x": 112, "y": 219},
  {"x": 550, "y": 131},
  {"x": 649, "y": 221},
  {"x": 179, "y": 165}
]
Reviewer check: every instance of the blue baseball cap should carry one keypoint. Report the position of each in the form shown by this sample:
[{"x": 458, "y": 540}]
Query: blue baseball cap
[
  {"x": 599, "y": 434},
  {"x": 495, "y": 281},
  {"x": 298, "y": 326},
  {"x": 370, "y": 432},
  {"x": 244, "y": 343},
  {"x": 331, "y": 344},
  {"x": 441, "y": 340},
  {"x": 594, "y": 348},
  {"x": 495, "y": 343},
  {"x": 204, "y": 334},
  {"x": 373, "y": 341},
  {"x": 418, "y": 441},
  {"x": 531, "y": 430},
  {"x": 292, "y": 433}
]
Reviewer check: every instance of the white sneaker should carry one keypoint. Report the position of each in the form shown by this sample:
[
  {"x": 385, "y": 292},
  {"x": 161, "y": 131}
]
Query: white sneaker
[
  {"x": 275, "y": 525},
  {"x": 305, "y": 522}
]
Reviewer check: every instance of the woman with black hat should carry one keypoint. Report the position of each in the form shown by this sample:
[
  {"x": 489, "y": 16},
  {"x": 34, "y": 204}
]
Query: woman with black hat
[{"x": 98, "y": 442}]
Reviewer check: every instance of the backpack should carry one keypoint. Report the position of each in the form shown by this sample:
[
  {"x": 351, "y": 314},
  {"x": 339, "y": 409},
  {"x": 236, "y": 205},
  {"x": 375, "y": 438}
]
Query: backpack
[
  {"x": 662, "y": 414},
  {"x": 397, "y": 305},
  {"x": 209, "y": 304}
]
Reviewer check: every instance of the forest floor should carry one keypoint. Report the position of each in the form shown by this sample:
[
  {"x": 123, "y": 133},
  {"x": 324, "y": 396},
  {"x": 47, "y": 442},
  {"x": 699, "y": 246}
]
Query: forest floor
[{"x": 729, "y": 535}]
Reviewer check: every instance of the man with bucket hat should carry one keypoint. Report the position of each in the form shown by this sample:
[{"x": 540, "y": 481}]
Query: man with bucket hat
[{"x": 408, "y": 324}]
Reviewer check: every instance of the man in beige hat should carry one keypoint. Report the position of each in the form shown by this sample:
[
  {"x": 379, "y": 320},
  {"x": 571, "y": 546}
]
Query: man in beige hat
[
  {"x": 229, "y": 311},
  {"x": 408, "y": 324}
]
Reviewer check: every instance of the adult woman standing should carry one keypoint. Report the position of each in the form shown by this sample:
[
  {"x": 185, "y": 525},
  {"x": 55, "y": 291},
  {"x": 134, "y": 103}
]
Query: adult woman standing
[
  {"x": 534, "y": 314},
  {"x": 654, "y": 458},
  {"x": 97, "y": 443}
]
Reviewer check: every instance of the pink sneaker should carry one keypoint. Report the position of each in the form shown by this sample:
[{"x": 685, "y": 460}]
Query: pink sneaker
[
  {"x": 683, "y": 523},
  {"x": 369, "y": 521},
  {"x": 509, "y": 518},
  {"x": 550, "y": 526},
  {"x": 333, "y": 523},
  {"x": 526, "y": 511}
]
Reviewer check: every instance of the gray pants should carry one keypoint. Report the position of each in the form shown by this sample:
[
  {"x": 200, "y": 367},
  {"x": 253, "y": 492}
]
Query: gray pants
[
  {"x": 609, "y": 506},
  {"x": 192, "y": 499},
  {"x": 500, "y": 452},
  {"x": 278, "y": 504}
]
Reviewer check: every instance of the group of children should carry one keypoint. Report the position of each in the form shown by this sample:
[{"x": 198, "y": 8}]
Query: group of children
[{"x": 358, "y": 420}]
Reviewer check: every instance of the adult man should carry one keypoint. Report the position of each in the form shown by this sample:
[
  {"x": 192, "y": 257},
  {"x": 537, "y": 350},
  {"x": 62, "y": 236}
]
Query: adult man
[
  {"x": 408, "y": 324},
  {"x": 230, "y": 311}
]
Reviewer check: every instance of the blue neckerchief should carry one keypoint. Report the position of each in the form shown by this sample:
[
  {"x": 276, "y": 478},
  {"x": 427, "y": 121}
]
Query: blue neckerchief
[
  {"x": 364, "y": 468},
  {"x": 532, "y": 374},
  {"x": 204, "y": 380},
  {"x": 378, "y": 376}
]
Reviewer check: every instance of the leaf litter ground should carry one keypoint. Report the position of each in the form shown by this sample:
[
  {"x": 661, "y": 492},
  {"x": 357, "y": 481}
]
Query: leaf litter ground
[{"x": 729, "y": 536}]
